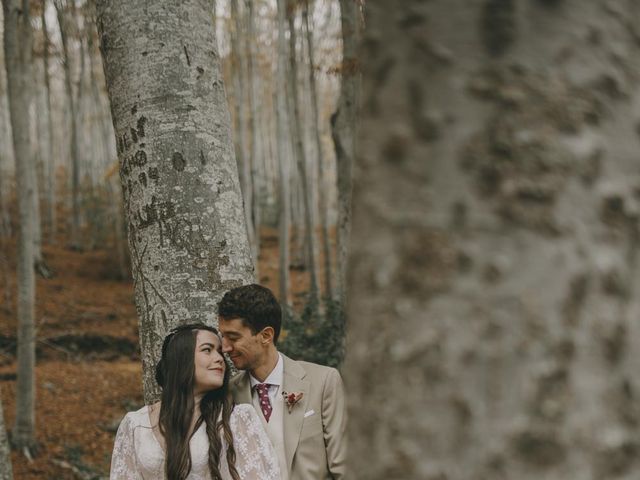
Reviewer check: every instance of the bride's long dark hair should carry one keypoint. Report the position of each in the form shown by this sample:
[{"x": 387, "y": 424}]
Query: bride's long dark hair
[{"x": 175, "y": 373}]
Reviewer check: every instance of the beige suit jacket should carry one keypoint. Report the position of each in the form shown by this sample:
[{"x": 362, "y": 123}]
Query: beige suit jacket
[{"x": 314, "y": 430}]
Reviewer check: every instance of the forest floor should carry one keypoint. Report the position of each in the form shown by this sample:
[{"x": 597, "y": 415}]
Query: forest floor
[{"x": 88, "y": 372}]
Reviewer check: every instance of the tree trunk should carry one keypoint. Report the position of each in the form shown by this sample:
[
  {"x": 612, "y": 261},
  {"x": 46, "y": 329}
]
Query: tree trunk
[
  {"x": 244, "y": 161},
  {"x": 17, "y": 48},
  {"x": 74, "y": 148},
  {"x": 323, "y": 206},
  {"x": 256, "y": 154},
  {"x": 50, "y": 213},
  {"x": 343, "y": 132},
  {"x": 302, "y": 160},
  {"x": 495, "y": 280},
  {"x": 183, "y": 204},
  {"x": 6, "y": 472},
  {"x": 283, "y": 157},
  {"x": 36, "y": 139},
  {"x": 113, "y": 190}
]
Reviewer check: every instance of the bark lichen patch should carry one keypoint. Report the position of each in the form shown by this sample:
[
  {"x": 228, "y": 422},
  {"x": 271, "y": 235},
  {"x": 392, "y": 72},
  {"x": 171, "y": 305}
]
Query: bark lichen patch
[
  {"x": 178, "y": 161},
  {"x": 539, "y": 446},
  {"x": 428, "y": 260},
  {"x": 498, "y": 26},
  {"x": 518, "y": 160}
]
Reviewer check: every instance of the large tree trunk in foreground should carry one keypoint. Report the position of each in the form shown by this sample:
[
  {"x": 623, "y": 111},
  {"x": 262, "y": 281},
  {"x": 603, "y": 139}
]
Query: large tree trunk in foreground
[
  {"x": 343, "y": 132},
  {"x": 6, "y": 472},
  {"x": 17, "y": 48},
  {"x": 187, "y": 235},
  {"x": 495, "y": 280}
]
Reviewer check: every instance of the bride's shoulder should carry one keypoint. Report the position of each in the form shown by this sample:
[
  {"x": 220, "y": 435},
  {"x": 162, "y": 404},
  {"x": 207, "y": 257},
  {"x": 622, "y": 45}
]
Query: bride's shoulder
[
  {"x": 142, "y": 415},
  {"x": 244, "y": 412}
]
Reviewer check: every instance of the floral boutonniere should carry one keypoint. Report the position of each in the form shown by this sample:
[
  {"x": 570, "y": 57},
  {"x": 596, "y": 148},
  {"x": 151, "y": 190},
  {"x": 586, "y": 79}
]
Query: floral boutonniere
[{"x": 291, "y": 398}]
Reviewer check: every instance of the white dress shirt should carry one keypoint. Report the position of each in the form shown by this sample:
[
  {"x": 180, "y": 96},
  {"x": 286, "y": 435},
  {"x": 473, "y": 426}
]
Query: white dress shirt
[{"x": 274, "y": 379}]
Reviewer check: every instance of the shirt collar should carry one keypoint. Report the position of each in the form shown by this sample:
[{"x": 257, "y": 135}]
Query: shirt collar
[{"x": 274, "y": 378}]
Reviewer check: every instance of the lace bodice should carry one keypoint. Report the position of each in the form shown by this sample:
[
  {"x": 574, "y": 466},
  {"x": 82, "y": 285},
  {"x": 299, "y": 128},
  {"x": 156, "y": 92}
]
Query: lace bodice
[{"x": 137, "y": 454}]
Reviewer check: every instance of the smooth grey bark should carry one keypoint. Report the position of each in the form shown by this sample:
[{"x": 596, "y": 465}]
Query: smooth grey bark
[
  {"x": 343, "y": 132},
  {"x": 50, "y": 211},
  {"x": 323, "y": 204},
  {"x": 494, "y": 269},
  {"x": 187, "y": 235},
  {"x": 6, "y": 472},
  {"x": 17, "y": 50},
  {"x": 74, "y": 147},
  {"x": 301, "y": 159},
  {"x": 284, "y": 195}
]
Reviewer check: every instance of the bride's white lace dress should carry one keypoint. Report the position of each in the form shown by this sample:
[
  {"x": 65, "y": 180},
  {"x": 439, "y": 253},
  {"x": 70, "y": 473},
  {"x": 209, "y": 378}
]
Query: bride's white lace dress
[{"x": 137, "y": 454}]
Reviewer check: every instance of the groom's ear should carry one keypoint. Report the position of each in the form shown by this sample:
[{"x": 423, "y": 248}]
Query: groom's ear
[{"x": 266, "y": 335}]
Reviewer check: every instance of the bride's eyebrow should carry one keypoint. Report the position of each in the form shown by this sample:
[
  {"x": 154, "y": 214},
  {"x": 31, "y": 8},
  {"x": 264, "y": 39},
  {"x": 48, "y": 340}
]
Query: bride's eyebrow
[{"x": 207, "y": 344}]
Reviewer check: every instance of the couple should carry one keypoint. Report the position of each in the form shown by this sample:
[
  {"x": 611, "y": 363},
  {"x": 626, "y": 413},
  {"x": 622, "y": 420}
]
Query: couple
[{"x": 278, "y": 419}]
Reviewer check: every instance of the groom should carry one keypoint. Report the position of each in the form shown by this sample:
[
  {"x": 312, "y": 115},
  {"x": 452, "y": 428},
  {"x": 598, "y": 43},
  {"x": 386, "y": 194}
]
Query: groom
[{"x": 301, "y": 404}]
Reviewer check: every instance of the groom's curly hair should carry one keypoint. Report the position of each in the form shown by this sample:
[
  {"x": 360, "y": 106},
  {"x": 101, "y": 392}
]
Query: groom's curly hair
[{"x": 255, "y": 305}]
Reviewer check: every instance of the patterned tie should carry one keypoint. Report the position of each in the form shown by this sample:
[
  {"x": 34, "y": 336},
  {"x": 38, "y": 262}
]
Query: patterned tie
[{"x": 265, "y": 403}]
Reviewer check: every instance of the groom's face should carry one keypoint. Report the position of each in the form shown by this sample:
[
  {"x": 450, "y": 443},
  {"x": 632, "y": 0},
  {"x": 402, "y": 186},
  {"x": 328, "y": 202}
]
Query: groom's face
[{"x": 244, "y": 348}]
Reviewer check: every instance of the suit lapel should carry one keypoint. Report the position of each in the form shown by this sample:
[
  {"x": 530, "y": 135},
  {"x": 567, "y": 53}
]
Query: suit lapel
[{"x": 293, "y": 382}]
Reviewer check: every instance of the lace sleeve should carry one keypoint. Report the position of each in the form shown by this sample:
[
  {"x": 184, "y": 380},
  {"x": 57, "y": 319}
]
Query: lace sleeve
[
  {"x": 255, "y": 457},
  {"x": 123, "y": 459}
]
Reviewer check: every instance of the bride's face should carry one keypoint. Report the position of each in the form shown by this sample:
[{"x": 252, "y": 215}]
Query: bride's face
[{"x": 209, "y": 363}]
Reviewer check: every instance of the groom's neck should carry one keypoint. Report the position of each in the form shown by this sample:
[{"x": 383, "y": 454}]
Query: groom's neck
[{"x": 266, "y": 366}]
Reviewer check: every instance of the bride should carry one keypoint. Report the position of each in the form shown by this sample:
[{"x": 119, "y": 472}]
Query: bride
[{"x": 194, "y": 432}]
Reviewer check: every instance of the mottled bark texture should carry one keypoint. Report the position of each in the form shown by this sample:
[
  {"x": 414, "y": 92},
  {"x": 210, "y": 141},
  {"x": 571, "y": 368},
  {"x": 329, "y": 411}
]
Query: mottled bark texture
[
  {"x": 187, "y": 236},
  {"x": 494, "y": 291},
  {"x": 17, "y": 51},
  {"x": 6, "y": 473}
]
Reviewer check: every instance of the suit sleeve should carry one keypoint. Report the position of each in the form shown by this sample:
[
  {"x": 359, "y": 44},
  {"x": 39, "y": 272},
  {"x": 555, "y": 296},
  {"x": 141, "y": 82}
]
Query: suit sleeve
[{"x": 334, "y": 422}]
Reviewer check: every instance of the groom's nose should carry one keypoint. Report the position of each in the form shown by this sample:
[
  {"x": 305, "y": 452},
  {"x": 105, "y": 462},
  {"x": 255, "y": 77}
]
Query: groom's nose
[{"x": 226, "y": 346}]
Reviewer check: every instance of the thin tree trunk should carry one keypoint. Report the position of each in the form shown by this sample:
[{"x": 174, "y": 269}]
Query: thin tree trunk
[
  {"x": 302, "y": 160},
  {"x": 283, "y": 157},
  {"x": 6, "y": 153},
  {"x": 37, "y": 138},
  {"x": 113, "y": 190},
  {"x": 17, "y": 47},
  {"x": 255, "y": 159},
  {"x": 240, "y": 134},
  {"x": 74, "y": 132},
  {"x": 50, "y": 212},
  {"x": 6, "y": 473},
  {"x": 323, "y": 206},
  {"x": 343, "y": 131},
  {"x": 183, "y": 204}
]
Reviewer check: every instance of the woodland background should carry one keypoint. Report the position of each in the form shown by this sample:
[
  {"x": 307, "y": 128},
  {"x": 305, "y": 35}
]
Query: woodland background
[{"x": 493, "y": 303}]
